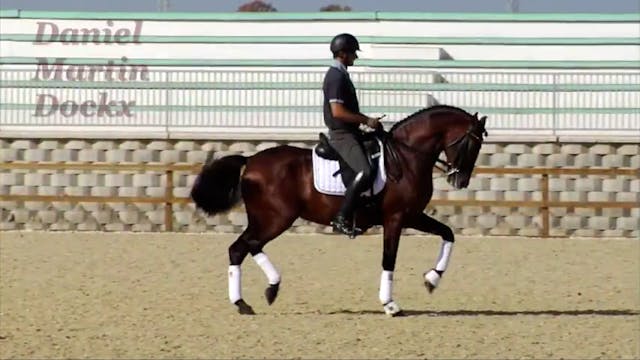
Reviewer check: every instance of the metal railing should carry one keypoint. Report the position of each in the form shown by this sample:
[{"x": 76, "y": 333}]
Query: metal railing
[{"x": 241, "y": 101}]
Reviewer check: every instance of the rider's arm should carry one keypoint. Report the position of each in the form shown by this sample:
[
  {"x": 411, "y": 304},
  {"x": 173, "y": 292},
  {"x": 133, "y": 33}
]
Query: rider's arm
[{"x": 340, "y": 112}]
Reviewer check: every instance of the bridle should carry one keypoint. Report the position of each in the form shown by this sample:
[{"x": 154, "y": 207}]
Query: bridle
[{"x": 468, "y": 138}]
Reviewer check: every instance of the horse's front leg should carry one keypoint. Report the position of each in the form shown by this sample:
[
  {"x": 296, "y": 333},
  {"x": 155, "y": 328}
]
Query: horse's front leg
[
  {"x": 428, "y": 224},
  {"x": 392, "y": 231}
]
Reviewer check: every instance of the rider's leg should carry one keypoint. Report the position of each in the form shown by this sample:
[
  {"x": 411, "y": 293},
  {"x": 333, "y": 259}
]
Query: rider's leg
[
  {"x": 343, "y": 221},
  {"x": 353, "y": 154}
]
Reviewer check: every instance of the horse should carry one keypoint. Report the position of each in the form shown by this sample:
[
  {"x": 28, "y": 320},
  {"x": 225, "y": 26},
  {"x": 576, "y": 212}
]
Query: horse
[{"x": 277, "y": 187}]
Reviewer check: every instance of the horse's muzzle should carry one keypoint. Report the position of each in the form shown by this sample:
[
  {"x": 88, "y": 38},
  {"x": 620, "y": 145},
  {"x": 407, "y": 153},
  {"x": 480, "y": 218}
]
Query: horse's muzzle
[{"x": 457, "y": 179}]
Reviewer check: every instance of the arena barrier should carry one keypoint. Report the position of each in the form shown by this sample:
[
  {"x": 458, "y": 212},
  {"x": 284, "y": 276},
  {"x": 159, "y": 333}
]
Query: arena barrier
[{"x": 169, "y": 199}]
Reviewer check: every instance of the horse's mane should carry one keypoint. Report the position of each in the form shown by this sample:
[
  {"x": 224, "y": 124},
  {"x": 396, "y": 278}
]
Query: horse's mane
[{"x": 423, "y": 110}]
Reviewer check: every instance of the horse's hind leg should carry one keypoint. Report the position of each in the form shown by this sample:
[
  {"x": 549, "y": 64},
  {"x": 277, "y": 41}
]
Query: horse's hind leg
[
  {"x": 273, "y": 276},
  {"x": 252, "y": 241},
  {"x": 237, "y": 252},
  {"x": 271, "y": 208}
]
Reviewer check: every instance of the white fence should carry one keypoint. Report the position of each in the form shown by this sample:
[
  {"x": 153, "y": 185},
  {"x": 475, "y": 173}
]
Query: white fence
[{"x": 288, "y": 103}]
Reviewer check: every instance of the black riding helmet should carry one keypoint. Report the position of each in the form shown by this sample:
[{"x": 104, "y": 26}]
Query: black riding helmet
[{"x": 344, "y": 42}]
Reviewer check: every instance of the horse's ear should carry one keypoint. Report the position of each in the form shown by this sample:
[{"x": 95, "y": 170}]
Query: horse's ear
[
  {"x": 475, "y": 116},
  {"x": 483, "y": 121},
  {"x": 210, "y": 158}
]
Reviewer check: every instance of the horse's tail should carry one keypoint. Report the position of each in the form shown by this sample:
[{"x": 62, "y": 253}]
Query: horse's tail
[{"x": 217, "y": 187}]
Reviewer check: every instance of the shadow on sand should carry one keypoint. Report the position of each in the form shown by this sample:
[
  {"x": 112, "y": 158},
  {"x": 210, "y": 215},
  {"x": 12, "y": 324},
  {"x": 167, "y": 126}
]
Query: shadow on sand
[{"x": 616, "y": 312}]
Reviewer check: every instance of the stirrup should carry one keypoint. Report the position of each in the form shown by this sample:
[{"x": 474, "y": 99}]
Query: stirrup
[
  {"x": 355, "y": 231},
  {"x": 344, "y": 229}
]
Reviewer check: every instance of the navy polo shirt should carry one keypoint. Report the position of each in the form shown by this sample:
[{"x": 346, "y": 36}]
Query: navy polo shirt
[{"x": 337, "y": 87}]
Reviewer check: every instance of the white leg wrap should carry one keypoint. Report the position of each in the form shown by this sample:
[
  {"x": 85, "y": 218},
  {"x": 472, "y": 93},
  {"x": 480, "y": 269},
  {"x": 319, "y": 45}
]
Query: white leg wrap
[
  {"x": 445, "y": 253},
  {"x": 386, "y": 286},
  {"x": 267, "y": 267},
  {"x": 432, "y": 277},
  {"x": 235, "y": 289}
]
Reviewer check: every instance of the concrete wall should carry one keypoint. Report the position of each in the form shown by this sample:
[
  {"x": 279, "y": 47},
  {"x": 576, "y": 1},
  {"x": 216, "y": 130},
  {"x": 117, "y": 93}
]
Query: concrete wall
[{"x": 465, "y": 220}]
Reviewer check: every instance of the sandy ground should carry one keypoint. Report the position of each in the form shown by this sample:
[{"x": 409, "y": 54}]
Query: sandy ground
[{"x": 95, "y": 295}]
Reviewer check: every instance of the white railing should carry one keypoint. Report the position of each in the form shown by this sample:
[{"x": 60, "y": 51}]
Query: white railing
[{"x": 140, "y": 102}]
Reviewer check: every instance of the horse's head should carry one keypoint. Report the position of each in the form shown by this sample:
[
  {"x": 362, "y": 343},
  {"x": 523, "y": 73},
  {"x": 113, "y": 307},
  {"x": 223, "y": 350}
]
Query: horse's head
[
  {"x": 463, "y": 140},
  {"x": 439, "y": 128}
]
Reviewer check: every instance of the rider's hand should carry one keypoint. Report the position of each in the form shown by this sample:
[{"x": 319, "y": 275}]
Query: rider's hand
[{"x": 373, "y": 122}]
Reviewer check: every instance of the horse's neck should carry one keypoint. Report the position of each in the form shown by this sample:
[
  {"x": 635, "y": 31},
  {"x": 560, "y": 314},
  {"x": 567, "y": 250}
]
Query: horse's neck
[
  {"x": 427, "y": 130},
  {"x": 425, "y": 134},
  {"x": 420, "y": 163},
  {"x": 418, "y": 138}
]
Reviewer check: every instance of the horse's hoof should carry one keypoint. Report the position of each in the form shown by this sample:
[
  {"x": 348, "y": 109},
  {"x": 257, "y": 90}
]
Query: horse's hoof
[
  {"x": 392, "y": 309},
  {"x": 429, "y": 286},
  {"x": 244, "y": 308},
  {"x": 271, "y": 293},
  {"x": 431, "y": 280}
]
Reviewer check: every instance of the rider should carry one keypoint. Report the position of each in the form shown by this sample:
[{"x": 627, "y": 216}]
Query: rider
[{"x": 343, "y": 117}]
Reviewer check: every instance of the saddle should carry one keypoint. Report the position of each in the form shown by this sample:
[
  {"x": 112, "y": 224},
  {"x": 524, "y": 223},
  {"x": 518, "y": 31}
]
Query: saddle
[{"x": 372, "y": 152}]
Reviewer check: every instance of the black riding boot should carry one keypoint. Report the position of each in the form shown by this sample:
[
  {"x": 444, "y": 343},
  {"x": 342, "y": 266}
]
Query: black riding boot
[{"x": 343, "y": 222}]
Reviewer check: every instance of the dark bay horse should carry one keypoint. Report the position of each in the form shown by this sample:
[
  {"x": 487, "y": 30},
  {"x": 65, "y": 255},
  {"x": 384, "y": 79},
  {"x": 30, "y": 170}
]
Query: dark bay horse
[{"x": 277, "y": 187}]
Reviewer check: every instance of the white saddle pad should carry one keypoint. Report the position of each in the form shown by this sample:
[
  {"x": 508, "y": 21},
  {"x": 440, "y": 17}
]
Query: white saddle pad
[{"x": 326, "y": 183}]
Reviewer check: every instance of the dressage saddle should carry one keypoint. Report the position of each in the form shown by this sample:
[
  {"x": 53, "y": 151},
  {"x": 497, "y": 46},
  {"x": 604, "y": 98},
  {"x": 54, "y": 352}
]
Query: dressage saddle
[
  {"x": 371, "y": 149},
  {"x": 325, "y": 150}
]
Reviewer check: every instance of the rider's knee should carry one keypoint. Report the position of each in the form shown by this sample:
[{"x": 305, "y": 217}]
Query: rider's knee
[{"x": 367, "y": 176}]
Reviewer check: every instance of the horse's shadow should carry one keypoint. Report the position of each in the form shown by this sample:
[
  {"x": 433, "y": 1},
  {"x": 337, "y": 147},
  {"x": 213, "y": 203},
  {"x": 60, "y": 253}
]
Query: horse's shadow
[{"x": 436, "y": 313}]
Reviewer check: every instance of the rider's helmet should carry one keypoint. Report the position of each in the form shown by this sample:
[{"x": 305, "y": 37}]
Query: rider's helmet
[{"x": 344, "y": 42}]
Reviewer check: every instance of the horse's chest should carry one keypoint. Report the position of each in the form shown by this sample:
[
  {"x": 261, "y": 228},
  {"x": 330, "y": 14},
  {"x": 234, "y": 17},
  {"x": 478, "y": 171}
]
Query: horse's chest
[{"x": 414, "y": 198}]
